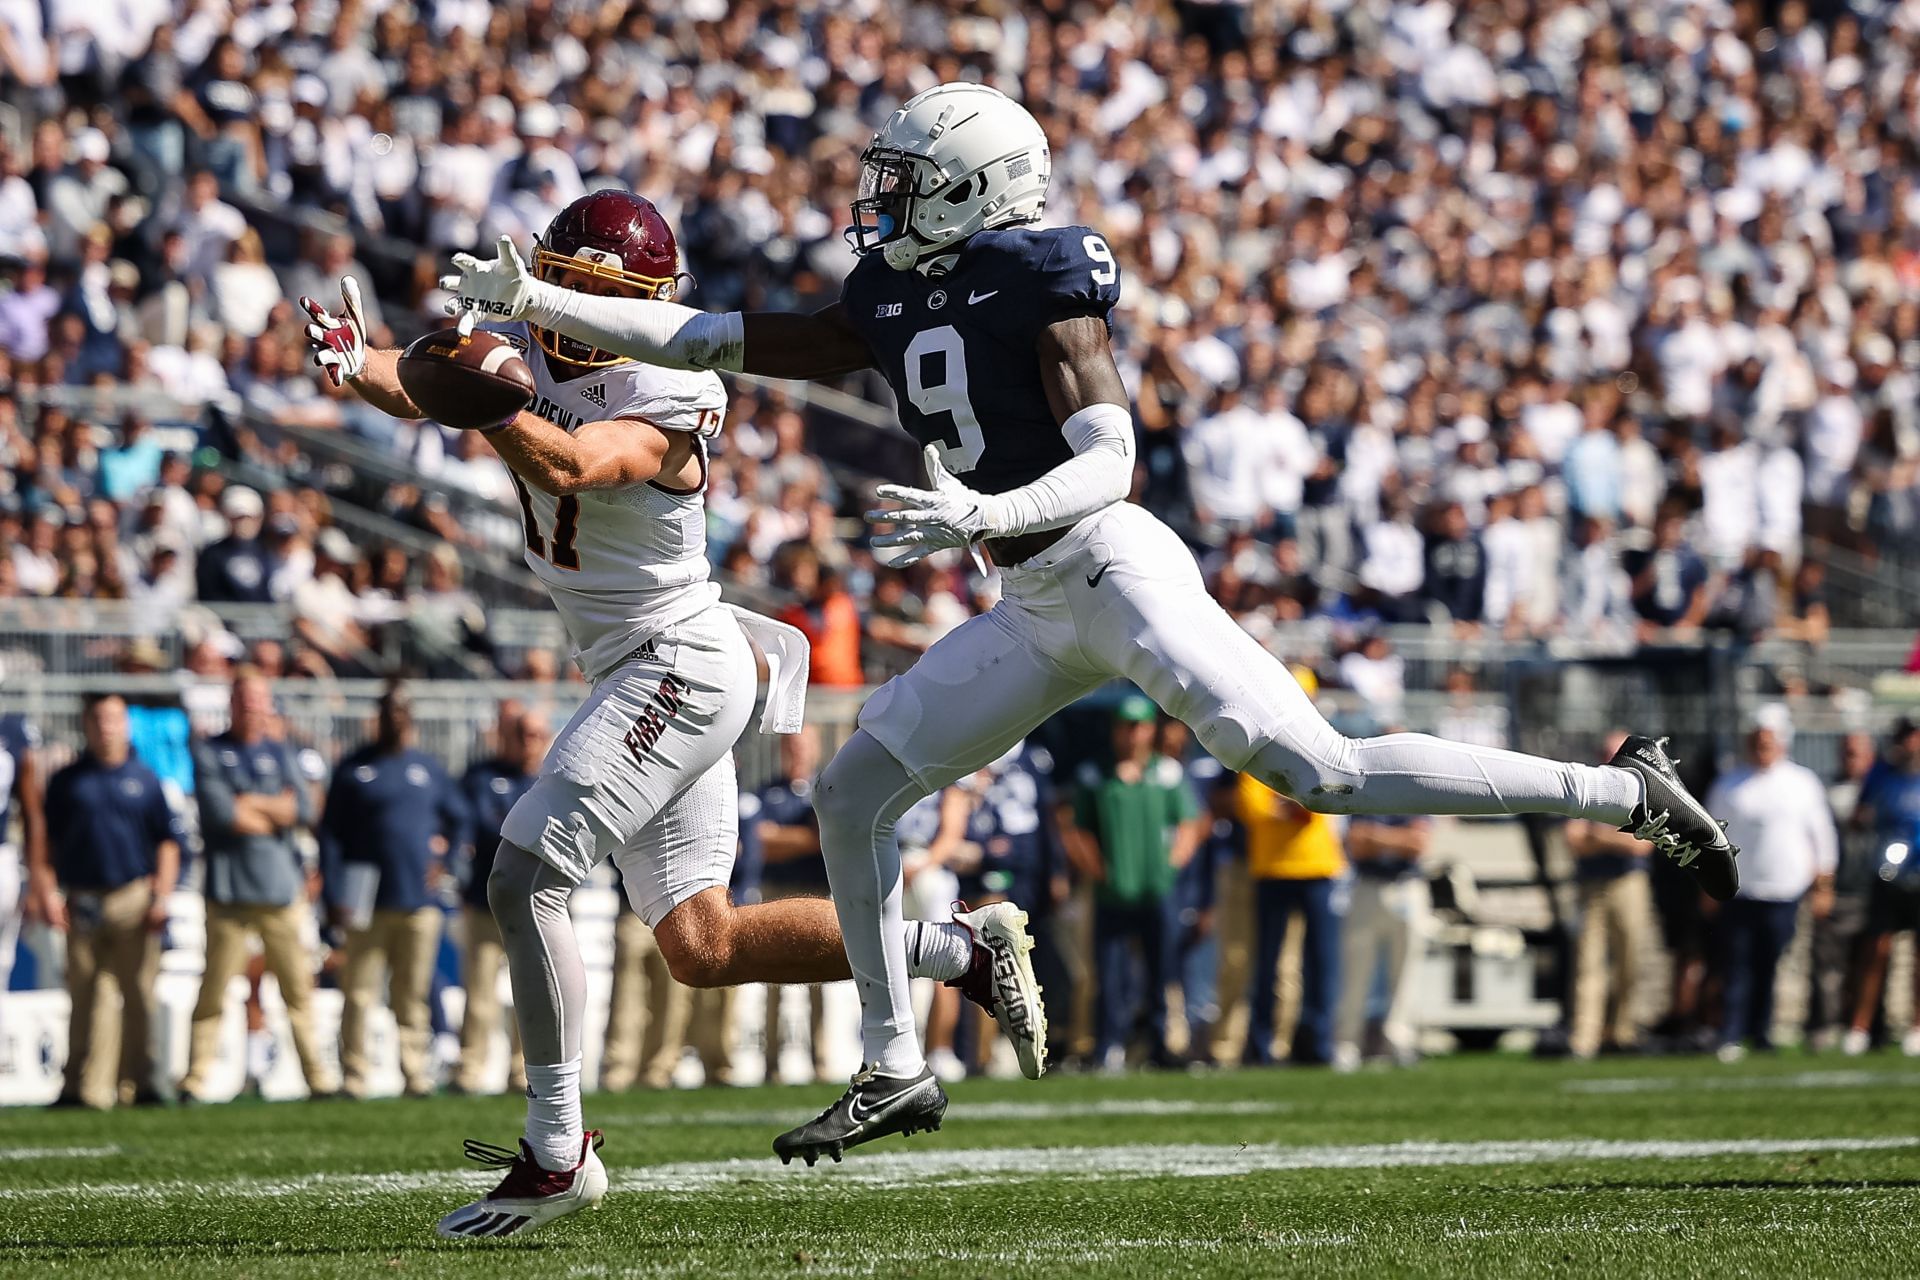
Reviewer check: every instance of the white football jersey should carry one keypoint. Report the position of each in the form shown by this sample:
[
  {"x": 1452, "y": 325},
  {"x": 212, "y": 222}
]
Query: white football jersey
[{"x": 621, "y": 564}]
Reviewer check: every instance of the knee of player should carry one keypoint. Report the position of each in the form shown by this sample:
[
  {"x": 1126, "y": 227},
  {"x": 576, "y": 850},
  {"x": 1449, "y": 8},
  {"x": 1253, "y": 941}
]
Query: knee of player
[
  {"x": 696, "y": 942},
  {"x": 694, "y": 965},
  {"x": 836, "y": 802},
  {"x": 509, "y": 889},
  {"x": 1318, "y": 780}
]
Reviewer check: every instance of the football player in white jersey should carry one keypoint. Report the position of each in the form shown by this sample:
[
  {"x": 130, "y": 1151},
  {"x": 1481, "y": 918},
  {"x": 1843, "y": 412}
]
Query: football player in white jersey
[
  {"x": 994, "y": 335},
  {"x": 610, "y": 460}
]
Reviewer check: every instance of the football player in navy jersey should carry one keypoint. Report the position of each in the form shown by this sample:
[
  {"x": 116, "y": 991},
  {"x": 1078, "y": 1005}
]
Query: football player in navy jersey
[{"x": 994, "y": 335}]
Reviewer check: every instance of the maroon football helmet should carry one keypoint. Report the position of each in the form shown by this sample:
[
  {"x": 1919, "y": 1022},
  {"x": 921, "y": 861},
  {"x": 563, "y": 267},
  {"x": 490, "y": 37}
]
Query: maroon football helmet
[{"x": 606, "y": 242}]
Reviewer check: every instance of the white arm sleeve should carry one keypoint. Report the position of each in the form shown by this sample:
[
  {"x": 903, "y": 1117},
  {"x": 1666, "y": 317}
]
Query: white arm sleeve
[
  {"x": 662, "y": 333},
  {"x": 1099, "y": 474}
]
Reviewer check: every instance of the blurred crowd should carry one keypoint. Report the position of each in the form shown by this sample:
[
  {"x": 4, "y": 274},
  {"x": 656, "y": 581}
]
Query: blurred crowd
[
  {"x": 1186, "y": 916},
  {"x": 1537, "y": 319}
]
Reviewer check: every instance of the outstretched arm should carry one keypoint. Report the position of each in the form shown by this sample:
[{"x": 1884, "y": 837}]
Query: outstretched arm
[
  {"x": 378, "y": 384},
  {"x": 773, "y": 344},
  {"x": 600, "y": 455}
]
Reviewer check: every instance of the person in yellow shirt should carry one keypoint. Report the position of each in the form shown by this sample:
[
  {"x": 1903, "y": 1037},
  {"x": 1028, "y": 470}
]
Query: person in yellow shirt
[{"x": 1296, "y": 863}]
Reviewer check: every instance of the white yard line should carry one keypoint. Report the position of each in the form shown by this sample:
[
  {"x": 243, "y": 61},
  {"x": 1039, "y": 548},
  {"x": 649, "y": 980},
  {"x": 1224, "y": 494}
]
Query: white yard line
[
  {"x": 1112, "y": 1109},
  {"x": 1797, "y": 1080},
  {"x": 905, "y": 1170},
  {"x": 57, "y": 1153}
]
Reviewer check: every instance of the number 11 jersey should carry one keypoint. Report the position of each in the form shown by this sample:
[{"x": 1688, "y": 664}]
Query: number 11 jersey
[
  {"x": 620, "y": 564},
  {"x": 960, "y": 350}
]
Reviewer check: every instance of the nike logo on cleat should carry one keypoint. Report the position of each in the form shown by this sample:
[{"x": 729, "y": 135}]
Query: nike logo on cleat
[
  {"x": 1093, "y": 579},
  {"x": 860, "y": 1114}
]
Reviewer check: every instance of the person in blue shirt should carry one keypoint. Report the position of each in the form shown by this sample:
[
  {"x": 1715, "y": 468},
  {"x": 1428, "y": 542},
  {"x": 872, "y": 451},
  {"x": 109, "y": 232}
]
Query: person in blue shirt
[
  {"x": 1889, "y": 807},
  {"x": 1014, "y": 831},
  {"x": 235, "y": 570},
  {"x": 252, "y": 802},
  {"x": 1669, "y": 578},
  {"x": 490, "y": 789},
  {"x": 392, "y": 816},
  {"x": 115, "y": 845},
  {"x": 788, "y": 837},
  {"x": 1388, "y": 918}
]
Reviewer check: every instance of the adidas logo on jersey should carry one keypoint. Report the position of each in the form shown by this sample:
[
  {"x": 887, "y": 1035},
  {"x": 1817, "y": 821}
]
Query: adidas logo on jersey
[{"x": 595, "y": 394}]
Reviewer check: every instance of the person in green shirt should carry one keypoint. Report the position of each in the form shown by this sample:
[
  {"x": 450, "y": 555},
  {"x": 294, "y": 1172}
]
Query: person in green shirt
[{"x": 1135, "y": 824}]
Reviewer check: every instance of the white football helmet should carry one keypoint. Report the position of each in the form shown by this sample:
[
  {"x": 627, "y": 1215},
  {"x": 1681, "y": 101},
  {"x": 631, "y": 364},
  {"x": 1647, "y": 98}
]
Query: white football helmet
[{"x": 954, "y": 160}]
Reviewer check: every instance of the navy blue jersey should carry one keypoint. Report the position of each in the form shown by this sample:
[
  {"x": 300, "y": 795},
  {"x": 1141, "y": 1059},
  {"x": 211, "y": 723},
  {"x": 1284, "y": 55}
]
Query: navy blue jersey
[
  {"x": 790, "y": 804},
  {"x": 388, "y": 808},
  {"x": 18, "y": 737},
  {"x": 1016, "y": 815},
  {"x": 961, "y": 350},
  {"x": 490, "y": 789},
  {"x": 105, "y": 824}
]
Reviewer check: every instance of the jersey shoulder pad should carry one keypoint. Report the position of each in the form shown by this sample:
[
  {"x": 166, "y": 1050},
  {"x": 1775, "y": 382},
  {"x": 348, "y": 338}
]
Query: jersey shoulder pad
[
  {"x": 1073, "y": 269},
  {"x": 693, "y": 400}
]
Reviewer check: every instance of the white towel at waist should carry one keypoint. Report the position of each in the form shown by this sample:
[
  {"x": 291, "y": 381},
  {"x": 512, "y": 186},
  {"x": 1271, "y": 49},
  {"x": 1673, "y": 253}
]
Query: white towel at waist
[{"x": 788, "y": 658}]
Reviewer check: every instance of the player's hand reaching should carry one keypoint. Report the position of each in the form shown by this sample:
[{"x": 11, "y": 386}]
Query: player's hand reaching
[
  {"x": 929, "y": 520},
  {"x": 502, "y": 289},
  {"x": 339, "y": 342}
]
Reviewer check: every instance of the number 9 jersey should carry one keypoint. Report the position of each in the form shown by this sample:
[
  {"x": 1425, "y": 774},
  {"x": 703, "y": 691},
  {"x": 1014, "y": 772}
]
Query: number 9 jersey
[
  {"x": 960, "y": 350},
  {"x": 621, "y": 564}
]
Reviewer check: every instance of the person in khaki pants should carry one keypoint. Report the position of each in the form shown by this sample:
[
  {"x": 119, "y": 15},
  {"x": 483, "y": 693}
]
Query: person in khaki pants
[
  {"x": 1616, "y": 925},
  {"x": 491, "y": 789},
  {"x": 252, "y": 799},
  {"x": 392, "y": 814},
  {"x": 647, "y": 1015},
  {"x": 1391, "y": 911},
  {"x": 115, "y": 852},
  {"x": 791, "y": 867}
]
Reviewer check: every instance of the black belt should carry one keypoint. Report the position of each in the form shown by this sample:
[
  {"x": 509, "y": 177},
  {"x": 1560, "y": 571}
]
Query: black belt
[{"x": 1007, "y": 552}]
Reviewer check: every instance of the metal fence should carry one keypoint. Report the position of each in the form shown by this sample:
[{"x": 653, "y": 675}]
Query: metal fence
[{"x": 53, "y": 637}]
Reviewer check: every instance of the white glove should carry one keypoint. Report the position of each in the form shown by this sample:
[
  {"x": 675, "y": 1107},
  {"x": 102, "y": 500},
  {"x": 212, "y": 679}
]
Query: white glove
[
  {"x": 929, "y": 520},
  {"x": 339, "y": 342},
  {"x": 502, "y": 289}
]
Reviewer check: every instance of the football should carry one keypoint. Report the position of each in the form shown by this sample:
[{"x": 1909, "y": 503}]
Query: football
[{"x": 466, "y": 381}]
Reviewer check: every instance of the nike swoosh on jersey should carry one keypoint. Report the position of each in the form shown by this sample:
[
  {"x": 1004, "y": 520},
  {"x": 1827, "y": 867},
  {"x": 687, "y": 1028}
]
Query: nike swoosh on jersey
[{"x": 980, "y": 297}]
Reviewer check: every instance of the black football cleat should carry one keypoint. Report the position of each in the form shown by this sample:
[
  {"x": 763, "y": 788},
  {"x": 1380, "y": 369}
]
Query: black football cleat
[
  {"x": 1678, "y": 825},
  {"x": 872, "y": 1107}
]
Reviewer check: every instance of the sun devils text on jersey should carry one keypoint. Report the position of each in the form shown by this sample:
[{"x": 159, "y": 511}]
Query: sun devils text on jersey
[
  {"x": 960, "y": 349},
  {"x": 621, "y": 564}
]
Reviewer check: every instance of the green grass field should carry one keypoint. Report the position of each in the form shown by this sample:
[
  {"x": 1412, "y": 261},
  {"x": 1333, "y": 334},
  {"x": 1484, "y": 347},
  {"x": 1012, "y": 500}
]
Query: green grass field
[{"x": 1482, "y": 1166}]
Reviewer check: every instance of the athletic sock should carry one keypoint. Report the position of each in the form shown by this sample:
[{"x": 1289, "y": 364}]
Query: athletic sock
[
  {"x": 554, "y": 1128},
  {"x": 936, "y": 949},
  {"x": 1617, "y": 791},
  {"x": 900, "y": 1056}
]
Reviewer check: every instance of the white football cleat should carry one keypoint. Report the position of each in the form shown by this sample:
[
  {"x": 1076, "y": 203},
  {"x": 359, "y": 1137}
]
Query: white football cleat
[
  {"x": 1000, "y": 980},
  {"x": 529, "y": 1196},
  {"x": 1855, "y": 1042}
]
